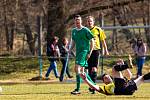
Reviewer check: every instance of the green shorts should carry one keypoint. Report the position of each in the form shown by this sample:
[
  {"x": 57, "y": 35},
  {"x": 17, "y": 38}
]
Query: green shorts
[{"x": 81, "y": 59}]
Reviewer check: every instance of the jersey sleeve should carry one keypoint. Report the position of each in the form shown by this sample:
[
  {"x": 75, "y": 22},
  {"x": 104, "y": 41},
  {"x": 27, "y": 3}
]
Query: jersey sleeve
[
  {"x": 102, "y": 34},
  {"x": 89, "y": 34}
]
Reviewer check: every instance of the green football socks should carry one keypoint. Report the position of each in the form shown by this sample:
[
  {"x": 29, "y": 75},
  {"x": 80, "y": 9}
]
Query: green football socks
[{"x": 78, "y": 82}]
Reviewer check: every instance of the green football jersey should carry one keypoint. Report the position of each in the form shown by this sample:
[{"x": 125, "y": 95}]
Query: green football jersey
[{"x": 82, "y": 39}]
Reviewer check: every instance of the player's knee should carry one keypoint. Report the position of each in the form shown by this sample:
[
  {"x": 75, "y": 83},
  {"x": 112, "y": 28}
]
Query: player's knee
[{"x": 94, "y": 69}]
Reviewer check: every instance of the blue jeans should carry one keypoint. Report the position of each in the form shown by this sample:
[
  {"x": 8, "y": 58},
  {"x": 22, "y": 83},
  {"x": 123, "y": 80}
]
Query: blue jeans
[
  {"x": 140, "y": 62},
  {"x": 63, "y": 71},
  {"x": 53, "y": 66}
]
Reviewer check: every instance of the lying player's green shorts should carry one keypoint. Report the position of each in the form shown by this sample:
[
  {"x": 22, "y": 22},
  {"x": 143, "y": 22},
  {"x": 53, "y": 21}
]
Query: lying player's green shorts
[{"x": 81, "y": 58}]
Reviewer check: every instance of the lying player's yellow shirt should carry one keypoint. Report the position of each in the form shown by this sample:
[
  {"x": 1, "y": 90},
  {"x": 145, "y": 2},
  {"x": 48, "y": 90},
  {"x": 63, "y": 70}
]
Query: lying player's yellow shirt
[{"x": 107, "y": 89}]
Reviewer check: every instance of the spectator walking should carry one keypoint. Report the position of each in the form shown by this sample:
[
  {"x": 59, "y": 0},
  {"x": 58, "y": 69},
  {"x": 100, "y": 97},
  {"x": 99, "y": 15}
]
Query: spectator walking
[
  {"x": 64, "y": 51},
  {"x": 53, "y": 54}
]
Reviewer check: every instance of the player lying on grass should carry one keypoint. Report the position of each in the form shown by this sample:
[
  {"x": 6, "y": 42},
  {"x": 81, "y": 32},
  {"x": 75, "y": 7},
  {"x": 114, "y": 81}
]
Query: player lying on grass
[{"x": 118, "y": 84}]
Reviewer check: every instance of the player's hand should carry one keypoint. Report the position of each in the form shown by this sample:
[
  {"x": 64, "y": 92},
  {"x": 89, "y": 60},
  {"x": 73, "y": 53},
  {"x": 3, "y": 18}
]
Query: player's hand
[
  {"x": 88, "y": 56},
  {"x": 83, "y": 75}
]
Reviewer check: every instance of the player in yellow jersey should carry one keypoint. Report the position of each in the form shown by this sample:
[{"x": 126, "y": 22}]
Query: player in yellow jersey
[
  {"x": 118, "y": 85},
  {"x": 99, "y": 37}
]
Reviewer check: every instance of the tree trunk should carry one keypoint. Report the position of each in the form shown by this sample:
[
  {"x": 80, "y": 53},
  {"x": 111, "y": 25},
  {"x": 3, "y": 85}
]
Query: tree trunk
[
  {"x": 147, "y": 31},
  {"x": 6, "y": 25},
  {"x": 56, "y": 18},
  {"x": 122, "y": 22},
  {"x": 12, "y": 35},
  {"x": 27, "y": 28},
  {"x": 146, "y": 21}
]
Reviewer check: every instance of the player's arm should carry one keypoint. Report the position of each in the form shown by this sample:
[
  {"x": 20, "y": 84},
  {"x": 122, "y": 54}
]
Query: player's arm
[
  {"x": 105, "y": 47},
  {"x": 102, "y": 39},
  {"x": 91, "y": 48},
  {"x": 93, "y": 86}
]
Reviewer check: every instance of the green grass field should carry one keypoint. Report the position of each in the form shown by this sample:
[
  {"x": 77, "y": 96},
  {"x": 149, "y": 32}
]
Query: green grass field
[
  {"x": 61, "y": 91},
  {"x": 20, "y": 70}
]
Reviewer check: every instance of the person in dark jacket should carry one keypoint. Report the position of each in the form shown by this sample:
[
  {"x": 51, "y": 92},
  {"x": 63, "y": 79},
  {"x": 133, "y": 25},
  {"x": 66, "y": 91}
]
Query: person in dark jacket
[
  {"x": 53, "y": 53},
  {"x": 64, "y": 52}
]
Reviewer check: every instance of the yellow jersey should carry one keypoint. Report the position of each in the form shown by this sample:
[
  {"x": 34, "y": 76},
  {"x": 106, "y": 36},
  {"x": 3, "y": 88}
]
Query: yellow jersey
[
  {"x": 107, "y": 89},
  {"x": 99, "y": 35}
]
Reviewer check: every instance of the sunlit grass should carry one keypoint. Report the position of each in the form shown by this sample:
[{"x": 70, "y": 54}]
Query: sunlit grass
[{"x": 61, "y": 91}]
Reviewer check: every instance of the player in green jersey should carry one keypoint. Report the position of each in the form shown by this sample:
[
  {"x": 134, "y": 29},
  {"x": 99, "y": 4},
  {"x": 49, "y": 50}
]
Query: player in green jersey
[{"x": 82, "y": 38}]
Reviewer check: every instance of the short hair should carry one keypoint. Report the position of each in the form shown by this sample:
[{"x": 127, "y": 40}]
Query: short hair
[
  {"x": 102, "y": 76},
  {"x": 139, "y": 39},
  {"x": 90, "y": 17},
  {"x": 77, "y": 16},
  {"x": 64, "y": 39},
  {"x": 55, "y": 38}
]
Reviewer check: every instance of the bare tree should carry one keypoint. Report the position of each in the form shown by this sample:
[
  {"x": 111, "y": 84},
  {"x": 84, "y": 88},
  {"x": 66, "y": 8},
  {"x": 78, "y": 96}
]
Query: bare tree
[
  {"x": 8, "y": 24},
  {"x": 146, "y": 19}
]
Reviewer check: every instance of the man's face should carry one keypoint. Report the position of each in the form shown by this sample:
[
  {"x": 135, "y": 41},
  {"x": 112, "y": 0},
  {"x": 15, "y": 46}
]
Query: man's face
[
  {"x": 55, "y": 42},
  {"x": 107, "y": 79},
  {"x": 90, "y": 22},
  {"x": 78, "y": 21}
]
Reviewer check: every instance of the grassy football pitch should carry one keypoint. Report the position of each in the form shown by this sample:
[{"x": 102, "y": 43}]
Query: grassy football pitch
[{"x": 61, "y": 91}]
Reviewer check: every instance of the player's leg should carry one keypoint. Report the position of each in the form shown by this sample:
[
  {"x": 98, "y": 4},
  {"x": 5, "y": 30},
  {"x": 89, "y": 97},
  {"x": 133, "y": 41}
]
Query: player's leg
[
  {"x": 116, "y": 74},
  {"x": 79, "y": 70},
  {"x": 78, "y": 79},
  {"x": 146, "y": 76},
  {"x": 87, "y": 75},
  {"x": 93, "y": 75},
  {"x": 92, "y": 66},
  {"x": 81, "y": 60},
  {"x": 120, "y": 67},
  {"x": 141, "y": 79}
]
